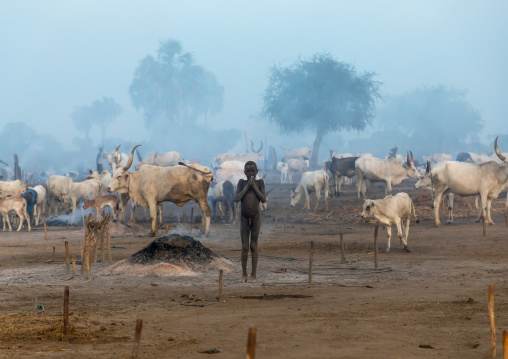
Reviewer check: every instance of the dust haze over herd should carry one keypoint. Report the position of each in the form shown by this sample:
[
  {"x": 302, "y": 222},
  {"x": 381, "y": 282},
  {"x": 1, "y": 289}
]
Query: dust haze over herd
[{"x": 79, "y": 75}]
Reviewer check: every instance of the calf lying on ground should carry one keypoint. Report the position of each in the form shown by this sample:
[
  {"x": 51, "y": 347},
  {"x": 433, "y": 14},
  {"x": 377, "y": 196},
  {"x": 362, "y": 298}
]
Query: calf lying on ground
[
  {"x": 392, "y": 210},
  {"x": 99, "y": 202},
  {"x": 18, "y": 205}
]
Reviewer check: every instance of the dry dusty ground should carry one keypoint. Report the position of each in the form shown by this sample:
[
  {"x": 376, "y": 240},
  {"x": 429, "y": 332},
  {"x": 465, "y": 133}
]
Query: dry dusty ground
[{"x": 430, "y": 303}]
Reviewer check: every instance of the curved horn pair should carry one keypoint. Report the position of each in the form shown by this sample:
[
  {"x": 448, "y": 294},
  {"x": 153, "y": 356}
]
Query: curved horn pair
[
  {"x": 252, "y": 147},
  {"x": 129, "y": 162},
  {"x": 498, "y": 153},
  {"x": 427, "y": 170}
]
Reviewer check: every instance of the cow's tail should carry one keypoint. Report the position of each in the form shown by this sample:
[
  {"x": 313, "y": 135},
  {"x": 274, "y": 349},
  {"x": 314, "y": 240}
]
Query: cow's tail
[
  {"x": 414, "y": 212},
  {"x": 195, "y": 169}
]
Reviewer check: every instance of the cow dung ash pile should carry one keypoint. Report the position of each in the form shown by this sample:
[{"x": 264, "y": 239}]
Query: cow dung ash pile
[
  {"x": 171, "y": 255},
  {"x": 175, "y": 249}
]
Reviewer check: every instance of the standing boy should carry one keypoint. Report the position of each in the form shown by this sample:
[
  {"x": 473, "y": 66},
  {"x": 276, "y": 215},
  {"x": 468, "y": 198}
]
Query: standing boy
[{"x": 250, "y": 192}]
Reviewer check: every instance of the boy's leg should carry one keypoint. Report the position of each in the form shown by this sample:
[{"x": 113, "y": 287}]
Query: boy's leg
[
  {"x": 255, "y": 227},
  {"x": 244, "y": 233}
]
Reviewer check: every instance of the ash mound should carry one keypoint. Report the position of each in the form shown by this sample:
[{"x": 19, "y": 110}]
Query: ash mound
[
  {"x": 175, "y": 249},
  {"x": 171, "y": 255}
]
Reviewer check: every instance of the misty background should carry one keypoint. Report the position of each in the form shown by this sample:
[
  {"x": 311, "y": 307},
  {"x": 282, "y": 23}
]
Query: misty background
[{"x": 73, "y": 76}]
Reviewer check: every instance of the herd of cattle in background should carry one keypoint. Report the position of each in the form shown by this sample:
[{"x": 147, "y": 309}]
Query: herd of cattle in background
[{"x": 162, "y": 177}]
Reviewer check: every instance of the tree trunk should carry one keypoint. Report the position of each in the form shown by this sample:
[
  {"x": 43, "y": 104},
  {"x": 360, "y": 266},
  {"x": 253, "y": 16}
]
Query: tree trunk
[{"x": 315, "y": 151}]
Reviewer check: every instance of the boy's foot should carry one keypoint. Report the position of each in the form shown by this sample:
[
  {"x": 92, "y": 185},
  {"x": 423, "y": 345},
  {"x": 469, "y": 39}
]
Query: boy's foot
[
  {"x": 253, "y": 278},
  {"x": 244, "y": 277}
]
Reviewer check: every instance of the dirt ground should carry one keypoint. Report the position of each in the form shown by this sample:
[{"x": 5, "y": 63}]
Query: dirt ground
[{"x": 430, "y": 303}]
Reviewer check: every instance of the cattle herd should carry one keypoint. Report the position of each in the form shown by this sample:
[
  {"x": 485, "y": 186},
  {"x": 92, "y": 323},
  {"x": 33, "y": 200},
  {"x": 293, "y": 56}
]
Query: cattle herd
[{"x": 168, "y": 177}]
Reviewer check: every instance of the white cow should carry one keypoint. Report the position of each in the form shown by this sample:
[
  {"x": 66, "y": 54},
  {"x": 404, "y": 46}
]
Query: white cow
[
  {"x": 312, "y": 181},
  {"x": 438, "y": 157},
  {"x": 222, "y": 157},
  {"x": 110, "y": 158},
  {"x": 425, "y": 182},
  {"x": 160, "y": 159},
  {"x": 12, "y": 188},
  {"x": 17, "y": 205},
  {"x": 56, "y": 186},
  {"x": 302, "y": 152},
  {"x": 468, "y": 179},
  {"x": 283, "y": 170},
  {"x": 392, "y": 210},
  {"x": 40, "y": 206},
  {"x": 81, "y": 191},
  {"x": 105, "y": 177},
  {"x": 296, "y": 166},
  {"x": 378, "y": 170},
  {"x": 222, "y": 192}
]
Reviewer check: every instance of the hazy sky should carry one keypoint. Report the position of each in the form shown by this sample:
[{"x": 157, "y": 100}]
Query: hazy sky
[{"x": 58, "y": 55}]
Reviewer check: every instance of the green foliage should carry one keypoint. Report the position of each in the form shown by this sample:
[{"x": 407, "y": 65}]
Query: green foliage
[
  {"x": 320, "y": 94},
  {"x": 171, "y": 87}
]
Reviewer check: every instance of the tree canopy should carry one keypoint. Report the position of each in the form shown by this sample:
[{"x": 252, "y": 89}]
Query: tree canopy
[
  {"x": 101, "y": 113},
  {"x": 171, "y": 88},
  {"x": 321, "y": 95}
]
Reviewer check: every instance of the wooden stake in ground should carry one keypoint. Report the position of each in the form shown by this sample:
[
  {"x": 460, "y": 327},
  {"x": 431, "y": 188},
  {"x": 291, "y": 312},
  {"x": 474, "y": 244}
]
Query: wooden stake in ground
[
  {"x": 183, "y": 218},
  {"x": 191, "y": 217},
  {"x": 276, "y": 219},
  {"x": 492, "y": 322},
  {"x": 82, "y": 252},
  {"x": 45, "y": 230},
  {"x": 310, "y": 260},
  {"x": 167, "y": 228},
  {"x": 137, "y": 338},
  {"x": 505, "y": 344},
  {"x": 251, "y": 344},
  {"x": 103, "y": 251},
  {"x": 221, "y": 273},
  {"x": 375, "y": 245},
  {"x": 506, "y": 218},
  {"x": 67, "y": 265},
  {"x": 342, "y": 248},
  {"x": 53, "y": 258},
  {"x": 73, "y": 267},
  {"x": 285, "y": 216},
  {"x": 66, "y": 311}
]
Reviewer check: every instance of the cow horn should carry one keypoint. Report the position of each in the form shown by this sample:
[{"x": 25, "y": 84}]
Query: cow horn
[
  {"x": 129, "y": 162},
  {"x": 116, "y": 157},
  {"x": 252, "y": 147},
  {"x": 498, "y": 153},
  {"x": 412, "y": 159},
  {"x": 428, "y": 167},
  {"x": 408, "y": 160}
]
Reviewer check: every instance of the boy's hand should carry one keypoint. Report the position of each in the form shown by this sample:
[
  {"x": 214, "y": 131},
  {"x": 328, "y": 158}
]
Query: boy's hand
[{"x": 251, "y": 180}]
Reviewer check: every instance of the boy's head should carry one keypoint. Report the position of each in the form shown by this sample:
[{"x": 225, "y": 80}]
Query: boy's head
[{"x": 250, "y": 169}]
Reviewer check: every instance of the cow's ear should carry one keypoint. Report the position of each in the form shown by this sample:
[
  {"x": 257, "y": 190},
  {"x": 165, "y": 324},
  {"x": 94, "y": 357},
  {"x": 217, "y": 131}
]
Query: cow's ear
[{"x": 372, "y": 204}]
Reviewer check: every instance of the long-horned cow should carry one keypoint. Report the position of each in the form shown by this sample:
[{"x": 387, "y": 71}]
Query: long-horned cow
[
  {"x": 425, "y": 182},
  {"x": 153, "y": 185},
  {"x": 486, "y": 179},
  {"x": 392, "y": 210},
  {"x": 379, "y": 170}
]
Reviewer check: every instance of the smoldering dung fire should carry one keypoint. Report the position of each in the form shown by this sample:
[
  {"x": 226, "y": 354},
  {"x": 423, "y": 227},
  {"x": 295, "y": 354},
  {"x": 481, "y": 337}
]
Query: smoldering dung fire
[{"x": 173, "y": 254}]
